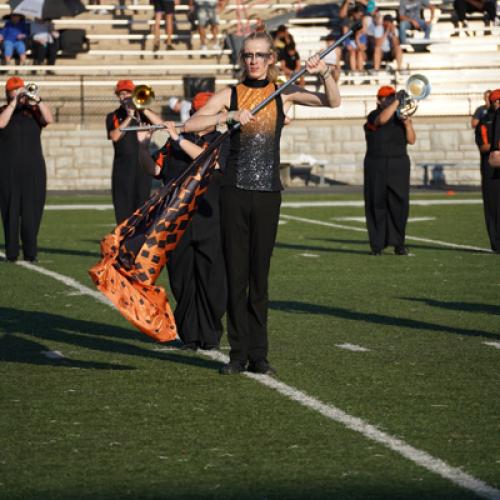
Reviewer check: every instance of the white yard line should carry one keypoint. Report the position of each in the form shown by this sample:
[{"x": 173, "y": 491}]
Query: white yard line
[
  {"x": 363, "y": 219},
  {"x": 287, "y": 204},
  {"x": 363, "y": 230},
  {"x": 419, "y": 457},
  {"x": 496, "y": 345},
  {"x": 352, "y": 347}
]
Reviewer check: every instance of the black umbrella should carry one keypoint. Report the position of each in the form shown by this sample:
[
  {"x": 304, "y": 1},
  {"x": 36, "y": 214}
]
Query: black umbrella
[{"x": 47, "y": 9}]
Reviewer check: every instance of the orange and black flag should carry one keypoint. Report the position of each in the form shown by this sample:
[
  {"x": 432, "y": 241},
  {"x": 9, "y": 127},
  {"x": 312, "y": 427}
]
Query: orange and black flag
[{"x": 134, "y": 254}]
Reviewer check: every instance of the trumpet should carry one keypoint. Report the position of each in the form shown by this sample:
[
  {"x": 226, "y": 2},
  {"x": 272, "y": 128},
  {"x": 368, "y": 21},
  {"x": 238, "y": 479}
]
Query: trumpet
[
  {"x": 142, "y": 96},
  {"x": 417, "y": 88},
  {"x": 31, "y": 92}
]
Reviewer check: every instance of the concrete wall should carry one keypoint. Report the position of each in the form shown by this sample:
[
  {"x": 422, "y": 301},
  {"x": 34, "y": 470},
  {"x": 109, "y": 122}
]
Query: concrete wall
[{"x": 82, "y": 158}]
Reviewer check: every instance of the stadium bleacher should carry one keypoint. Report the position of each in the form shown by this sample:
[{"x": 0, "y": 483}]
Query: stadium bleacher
[{"x": 121, "y": 45}]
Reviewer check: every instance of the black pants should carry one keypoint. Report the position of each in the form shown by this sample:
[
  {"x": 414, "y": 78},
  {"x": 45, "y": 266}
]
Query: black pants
[
  {"x": 198, "y": 277},
  {"x": 21, "y": 204},
  {"x": 249, "y": 226},
  {"x": 131, "y": 186},
  {"x": 462, "y": 7},
  {"x": 41, "y": 52},
  {"x": 387, "y": 199},
  {"x": 490, "y": 187}
]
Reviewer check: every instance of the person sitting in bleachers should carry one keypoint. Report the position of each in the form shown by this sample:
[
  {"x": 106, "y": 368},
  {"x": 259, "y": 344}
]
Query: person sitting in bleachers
[
  {"x": 289, "y": 62},
  {"x": 411, "y": 17},
  {"x": 44, "y": 41},
  {"x": 180, "y": 106},
  {"x": 384, "y": 41},
  {"x": 463, "y": 7},
  {"x": 356, "y": 45},
  {"x": 13, "y": 36}
]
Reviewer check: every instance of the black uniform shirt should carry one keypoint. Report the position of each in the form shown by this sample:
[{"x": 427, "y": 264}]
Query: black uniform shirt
[
  {"x": 388, "y": 140},
  {"x": 484, "y": 130},
  {"x": 128, "y": 144},
  {"x": 173, "y": 161}
]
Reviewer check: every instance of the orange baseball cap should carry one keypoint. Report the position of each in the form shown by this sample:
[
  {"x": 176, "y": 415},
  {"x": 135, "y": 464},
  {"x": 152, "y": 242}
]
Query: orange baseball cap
[
  {"x": 495, "y": 95},
  {"x": 386, "y": 91},
  {"x": 124, "y": 85},
  {"x": 200, "y": 99},
  {"x": 14, "y": 83}
]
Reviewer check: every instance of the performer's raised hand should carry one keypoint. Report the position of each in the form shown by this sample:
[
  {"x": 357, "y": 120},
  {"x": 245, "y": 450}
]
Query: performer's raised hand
[
  {"x": 315, "y": 65},
  {"x": 170, "y": 128}
]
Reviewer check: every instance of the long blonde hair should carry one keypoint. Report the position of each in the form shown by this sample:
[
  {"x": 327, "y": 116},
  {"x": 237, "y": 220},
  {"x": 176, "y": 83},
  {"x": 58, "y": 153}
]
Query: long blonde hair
[{"x": 273, "y": 70}]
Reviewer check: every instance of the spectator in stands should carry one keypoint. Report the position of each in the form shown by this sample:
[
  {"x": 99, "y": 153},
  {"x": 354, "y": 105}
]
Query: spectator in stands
[
  {"x": 289, "y": 62},
  {"x": 481, "y": 111},
  {"x": 206, "y": 14},
  {"x": 164, "y": 9},
  {"x": 102, "y": 12},
  {"x": 282, "y": 37},
  {"x": 44, "y": 41},
  {"x": 411, "y": 17},
  {"x": 387, "y": 173},
  {"x": 182, "y": 107},
  {"x": 131, "y": 186},
  {"x": 259, "y": 25},
  {"x": 463, "y": 7},
  {"x": 356, "y": 45},
  {"x": 196, "y": 266},
  {"x": 13, "y": 36},
  {"x": 22, "y": 174},
  {"x": 490, "y": 177},
  {"x": 385, "y": 41}
]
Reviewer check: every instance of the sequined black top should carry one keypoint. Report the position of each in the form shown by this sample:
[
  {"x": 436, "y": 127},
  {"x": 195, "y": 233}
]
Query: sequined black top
[{"x": 254, "y": 157}]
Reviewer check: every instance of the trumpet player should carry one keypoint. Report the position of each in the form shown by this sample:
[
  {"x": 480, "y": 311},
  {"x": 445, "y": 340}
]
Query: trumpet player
[
  {"x": 22, "y": 167},
  {"x": 130, "y": 186},
  {"x": 387, "y": 172}
]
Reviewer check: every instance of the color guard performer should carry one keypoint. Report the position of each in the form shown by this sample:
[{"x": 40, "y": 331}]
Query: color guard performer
[
  {"x": 196, "y": 266},
  {"x": 251, "y": 190},
  {"x": 22, "y": 167},
  {"x": 387, "y": 173}
]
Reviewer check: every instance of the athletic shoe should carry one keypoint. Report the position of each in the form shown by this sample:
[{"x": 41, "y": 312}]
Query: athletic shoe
[
  {"x": 376, "y": 253},
  {"x": 402, "y": 250},
  {"x": 232, "y": 368},
  {"x": 261, "y": 367}
]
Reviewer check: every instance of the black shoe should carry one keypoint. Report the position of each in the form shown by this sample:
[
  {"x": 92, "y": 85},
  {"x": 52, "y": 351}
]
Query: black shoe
[
  {"x": 401, "y": 250},
  {"x": 376, "y": 253},
  {"x": 261, "y": 367},
  {"x": 232, "y": 368},
  {"x": 170, "y": 46},
  {"x": 209, "y": 347},
  {"x": 191, "y": 346}
]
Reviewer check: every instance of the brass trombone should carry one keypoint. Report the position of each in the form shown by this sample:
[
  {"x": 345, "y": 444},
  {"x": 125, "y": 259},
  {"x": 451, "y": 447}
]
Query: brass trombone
[{"x": 417, "y": 88}]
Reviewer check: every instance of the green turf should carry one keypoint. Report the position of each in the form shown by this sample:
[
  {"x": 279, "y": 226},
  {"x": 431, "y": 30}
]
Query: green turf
[{"x": 119, "y": 419}]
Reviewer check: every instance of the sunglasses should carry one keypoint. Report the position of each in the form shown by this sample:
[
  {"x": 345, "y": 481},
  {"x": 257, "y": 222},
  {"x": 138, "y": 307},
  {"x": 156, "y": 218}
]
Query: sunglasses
[{"x": 248, "y": 56}]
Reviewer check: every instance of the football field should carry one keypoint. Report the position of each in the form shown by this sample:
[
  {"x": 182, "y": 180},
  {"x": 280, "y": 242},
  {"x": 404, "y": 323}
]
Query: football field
[{"x": 388, "y": 369}]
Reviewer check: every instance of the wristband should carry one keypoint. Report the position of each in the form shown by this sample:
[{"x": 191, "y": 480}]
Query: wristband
[
  {"x": 230, "y": 118},
  {"x": 179, "y": 139},
  {"x": 326, "y": 73}
]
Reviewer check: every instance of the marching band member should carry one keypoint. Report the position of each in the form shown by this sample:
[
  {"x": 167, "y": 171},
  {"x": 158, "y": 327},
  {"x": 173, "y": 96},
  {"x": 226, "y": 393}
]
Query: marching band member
[{"x": 22, "y": 168}]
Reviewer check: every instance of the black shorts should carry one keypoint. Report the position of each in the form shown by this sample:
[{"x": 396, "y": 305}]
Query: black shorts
[
  {"x": 166, "y": 6},
  {"x": 387, "y": 56}
]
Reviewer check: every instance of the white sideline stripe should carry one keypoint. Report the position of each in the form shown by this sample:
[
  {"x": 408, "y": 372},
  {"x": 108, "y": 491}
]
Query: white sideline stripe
[
  {"x": 496, "y": 345},
  {"x": 419, "y": 457},
  {"x": 352, "y": 347},
  {"x": 363, "y": 230},
  {"x": 363, "y": 219},
  {"x": 287, "y": 204},
  {"x": 453, "y": 474},
  {"x": 361, "y": 203},
  {"x": 53, "y": 354},
  {"x": 84, "y": 290}
]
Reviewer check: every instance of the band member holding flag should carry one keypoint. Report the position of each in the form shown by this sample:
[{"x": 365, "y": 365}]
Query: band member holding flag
[
  {"x": 251, "y": 190},
  {"x": 196, "y": 267}
]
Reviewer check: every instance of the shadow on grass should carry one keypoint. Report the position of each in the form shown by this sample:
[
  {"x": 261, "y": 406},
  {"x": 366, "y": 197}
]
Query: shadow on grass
[
  {"x": 294, "y": 246},
  {"x": 458, "y": 306},
  {"x": 378, "y": 319},
  {"x": 66, "y": 251},
  {"x": 42, "y": 326},
  {"x": 409, "y": 243}
]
